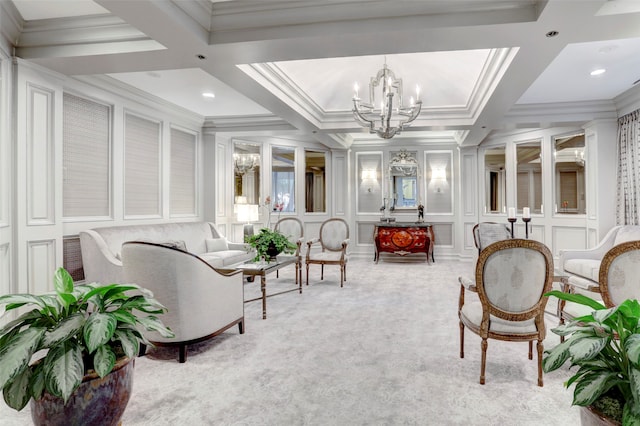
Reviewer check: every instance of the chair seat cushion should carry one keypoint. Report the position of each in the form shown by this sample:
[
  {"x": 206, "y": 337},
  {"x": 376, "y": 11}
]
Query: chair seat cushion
[
  {"x": 586, "y": 268},
  {"x": 224, "y": 258},
  {"x": 327, "y": 256},
  {"x": 471, "y": 313}
]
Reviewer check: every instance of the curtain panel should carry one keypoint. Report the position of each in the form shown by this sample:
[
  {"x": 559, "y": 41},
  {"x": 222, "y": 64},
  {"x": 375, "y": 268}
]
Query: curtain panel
[{"x": 628, "y": 169}]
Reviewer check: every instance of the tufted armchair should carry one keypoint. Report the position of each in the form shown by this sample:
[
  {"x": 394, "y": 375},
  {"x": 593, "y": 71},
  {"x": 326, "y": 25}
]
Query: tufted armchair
[
  {"x": 293, "y": 229},
  {"x": 333, "y": 240},
  {"x": 512, "y": 277}
]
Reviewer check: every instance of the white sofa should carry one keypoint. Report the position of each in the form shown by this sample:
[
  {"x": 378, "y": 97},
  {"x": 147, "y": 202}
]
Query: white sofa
[{"x": 101, "y": 247}]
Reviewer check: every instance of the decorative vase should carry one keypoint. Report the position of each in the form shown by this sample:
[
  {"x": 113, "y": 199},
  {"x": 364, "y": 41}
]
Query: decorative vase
[
  {"x": 272, "y": 252},
  {"x": 589, "y": 416},
  {"x": 98, "y": 401}
]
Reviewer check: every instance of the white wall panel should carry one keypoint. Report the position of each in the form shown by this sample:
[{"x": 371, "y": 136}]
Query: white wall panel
[
  {"x": 40, "y": 150},
  {"x": 444, "y": 234},
  {"x": 365, "y": 233},
  {"x": 469, "y": 182},
  {"x": 565, "y": 237},
  {"x": 469, "y": 242},
  {"x": 221, "y": 169},
  {"x": 5, "y": 269},
  {"x": 340, "y": 186},
  {"x": 41, "y": 261}
]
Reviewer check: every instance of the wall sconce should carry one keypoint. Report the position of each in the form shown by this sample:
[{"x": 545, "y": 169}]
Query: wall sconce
[
  {"x": 438, "y": 178},
  {"x": 248, "y": 213},
  {"x": 369, "y": 177}
]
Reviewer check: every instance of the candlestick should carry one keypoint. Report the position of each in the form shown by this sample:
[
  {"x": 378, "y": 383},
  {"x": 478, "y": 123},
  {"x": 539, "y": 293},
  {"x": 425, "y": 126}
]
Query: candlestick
[
  {"x": 512, "y": 220},
  {"x": 526, "y": 213},
  {"x": 512, "y": 213},
  {"x": 526, "y": 221}
]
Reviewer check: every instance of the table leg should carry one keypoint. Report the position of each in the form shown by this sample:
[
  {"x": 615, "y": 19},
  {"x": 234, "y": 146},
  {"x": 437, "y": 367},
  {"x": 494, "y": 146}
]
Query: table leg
[{"x": 263, "y": 287}]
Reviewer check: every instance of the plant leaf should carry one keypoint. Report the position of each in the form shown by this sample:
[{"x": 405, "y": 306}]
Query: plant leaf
[
  {"x": 602, "y": 314},
  {"x": 129, "y": 342},
  {"x": 64, "y": 369},
  {"x": 16, "y": 354},
  {"x": 152, "y": 323},
  {"x": 572, "y": 327},
  {"x": 576, "y": 298},
  {"x": 14, "y": 301},
  {"x": 556, "y": 356},
  {"x": 634, "y": 383},
  {"x": 64, "y": 330},
  {"x": 98, "y": 330},
  {"x": 103, "y": 360},
  {"x": 124, "y": 316},
  {"x": 586, "y": 348},
  {"x": 62, "y": 281},
  {"x": 632, "y": 347},
  {"x": 591, "y": 386},
  {"x": 36, "y": 386},
  {"x": 631, "y": 414},
  {"x": 16, "y": 393},
  {"x": 24, "y": 319}
]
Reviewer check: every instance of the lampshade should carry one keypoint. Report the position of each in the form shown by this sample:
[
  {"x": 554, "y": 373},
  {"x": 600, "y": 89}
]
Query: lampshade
[{"x": 248, "y": 213}]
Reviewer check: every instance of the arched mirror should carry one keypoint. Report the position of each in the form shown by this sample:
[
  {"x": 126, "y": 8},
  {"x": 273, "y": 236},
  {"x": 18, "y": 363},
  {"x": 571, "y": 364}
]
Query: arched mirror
[
  {"x": 495, "y": 180},
  {"x": 314, "y": 181},
  {"x": 569, "y": 176},
  {"x": 403, "y": 175},
  {"x": 283, "y": 178},
  {"x": 246, "y": 172},
  {"x": 529, "y": 179}
]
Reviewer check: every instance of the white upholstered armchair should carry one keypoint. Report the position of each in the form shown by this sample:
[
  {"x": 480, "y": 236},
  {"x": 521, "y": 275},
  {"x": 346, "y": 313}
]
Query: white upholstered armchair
[
  {"x": 201, "y": 301},
  {"x": 333, "y": 240},
  {"x": 293, "y": 229},
  {"x": 485, "y": 233},
  {"x": 511, "y": 279}
]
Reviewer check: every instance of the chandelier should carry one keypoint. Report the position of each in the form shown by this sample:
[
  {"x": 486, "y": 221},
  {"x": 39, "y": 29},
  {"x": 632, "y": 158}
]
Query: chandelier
[
  {"x": 244, "y": 163},
  {"x": 391, "y": 117}
]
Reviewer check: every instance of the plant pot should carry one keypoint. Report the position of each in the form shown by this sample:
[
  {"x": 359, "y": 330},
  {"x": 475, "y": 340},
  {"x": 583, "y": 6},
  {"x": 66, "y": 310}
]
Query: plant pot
[
  {"x": 589, "y": 416},
  {"x": 98, "y": 401},
  {"x": 272, "y": 252}
]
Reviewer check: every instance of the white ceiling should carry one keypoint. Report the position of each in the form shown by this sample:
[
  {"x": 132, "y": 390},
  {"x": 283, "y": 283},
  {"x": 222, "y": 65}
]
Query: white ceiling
[{"x": 478, "y": 62}]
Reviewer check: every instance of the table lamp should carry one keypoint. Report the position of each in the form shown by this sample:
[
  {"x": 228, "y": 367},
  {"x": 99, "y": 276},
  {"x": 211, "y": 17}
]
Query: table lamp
[{"x": 248, "y": 213}]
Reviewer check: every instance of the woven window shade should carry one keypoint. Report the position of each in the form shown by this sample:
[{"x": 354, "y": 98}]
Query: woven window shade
[
  {"x": 183, "y": 173},
  {"x": 141, "y": 167},
  {"x": 523, "y": 189},
  {"x": 537, "y": 190},
  {"x": 569, "y": 190},
  {"x": 85, "y": 158},
  {"x": 72, "y": 257}
]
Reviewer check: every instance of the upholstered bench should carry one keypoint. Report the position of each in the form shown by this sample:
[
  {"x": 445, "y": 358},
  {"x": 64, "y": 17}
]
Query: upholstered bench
[{"x": 101, "y": 247}]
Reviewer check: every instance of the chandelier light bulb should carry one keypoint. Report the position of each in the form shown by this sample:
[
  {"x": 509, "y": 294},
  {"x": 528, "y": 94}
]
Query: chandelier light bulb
[
  {"x": 417, "y": 92},
  {"x": 356, "y": 88}
]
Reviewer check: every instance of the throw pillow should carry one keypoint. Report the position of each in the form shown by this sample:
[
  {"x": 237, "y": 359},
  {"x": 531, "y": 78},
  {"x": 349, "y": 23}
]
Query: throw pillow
[
  {"x": 180, "y": 245},
  {"x": 216, "y": 244}
]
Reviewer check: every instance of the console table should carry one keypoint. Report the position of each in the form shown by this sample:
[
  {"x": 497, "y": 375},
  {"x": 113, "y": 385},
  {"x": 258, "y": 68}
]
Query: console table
[{"x": 402, "y": 238}]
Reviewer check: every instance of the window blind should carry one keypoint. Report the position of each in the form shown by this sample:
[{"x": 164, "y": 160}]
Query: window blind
[
  {"x": 183, "y": 173},
  {"x": 142, "y": 167},
  {"x": 72, "y": 257},
  {"x": 523, "y": 189},
  {"x": 569, "y": 190},
  {"x": 85, "y": 157}
]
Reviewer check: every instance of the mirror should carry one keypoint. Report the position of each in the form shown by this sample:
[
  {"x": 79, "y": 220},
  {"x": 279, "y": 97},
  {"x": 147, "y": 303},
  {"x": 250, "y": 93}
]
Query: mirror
[
  {"x": 246, "y": 172},
  {"x": 283, "y": 178},
  {"x": 569, "y": 176},
  {"x": 495, "y": 180},
  {"x": 314, "y": 181},
  {"x": 403, "y": 173},
  {"x": 529, "y": 176}
]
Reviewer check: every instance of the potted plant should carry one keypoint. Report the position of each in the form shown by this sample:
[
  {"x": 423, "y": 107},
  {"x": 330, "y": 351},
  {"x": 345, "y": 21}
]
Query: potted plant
[
  {"x": 65, "y": 338},
  {"x": 605, "y": 346},
  {"x": 268, "y": 244}
]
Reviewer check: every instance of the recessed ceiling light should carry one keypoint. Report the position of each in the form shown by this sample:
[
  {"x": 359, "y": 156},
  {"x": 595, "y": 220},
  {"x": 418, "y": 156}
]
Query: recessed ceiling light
[
  {"x": 552, "y": 33},
  {"x": 209, "y": 95},
  {"x": 599, "y": 71}
]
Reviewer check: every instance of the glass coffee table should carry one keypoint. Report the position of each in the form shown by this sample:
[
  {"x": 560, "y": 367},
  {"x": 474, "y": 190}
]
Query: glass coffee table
[{"x": 261, "y": 269}]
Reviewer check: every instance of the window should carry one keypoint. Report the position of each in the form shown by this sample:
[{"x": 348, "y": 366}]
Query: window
[
  {"x": 85, "y": 158},
  {"x": 141, "y": 167},
  {"x": 314, "y": 184},
  {"x": 495, "y": 181},
  {"x": 183, "y": 173},
  {"x": 283, "y": 179},
  {"x": 246, "y": 172},
  {"x": 569, "y": 159},
  {"x": 529, "y": 176}
]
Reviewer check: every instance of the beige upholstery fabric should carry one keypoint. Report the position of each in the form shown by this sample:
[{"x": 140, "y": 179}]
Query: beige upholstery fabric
[
  {"x": 623, "y": 281},
  {"x": 486, "y": 233},
  {"x": 627, "y": 233},
  {"x": 587, "y": 268},
  {"x": 216, "y": 244},
  {"x": 333, "y": 241},
  {"x": 200, "y": 301}
]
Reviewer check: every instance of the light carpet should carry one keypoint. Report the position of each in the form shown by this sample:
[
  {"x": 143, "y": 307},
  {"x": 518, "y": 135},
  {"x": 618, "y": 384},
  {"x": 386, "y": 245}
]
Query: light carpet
[{"x": 383, "y": 350}]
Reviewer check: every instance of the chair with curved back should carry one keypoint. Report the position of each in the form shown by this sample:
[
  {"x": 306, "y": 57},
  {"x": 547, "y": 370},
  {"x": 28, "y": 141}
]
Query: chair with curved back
[
  {"x": 511, "y": 279},
  {"x": 333, "y": 240},
  {"x": 293, "y": 229},
  {"x": 485, "y": 233}
]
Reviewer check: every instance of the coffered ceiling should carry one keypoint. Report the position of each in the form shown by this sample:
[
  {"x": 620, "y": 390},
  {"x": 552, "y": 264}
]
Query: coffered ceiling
[{"x": 288, "y": 67}]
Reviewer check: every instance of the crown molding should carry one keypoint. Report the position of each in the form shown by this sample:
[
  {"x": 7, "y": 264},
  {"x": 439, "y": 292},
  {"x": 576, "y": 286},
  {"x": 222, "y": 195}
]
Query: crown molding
[
  {"x": 628, "y": 101},
  {"x": 265, "y": 122},
  {"x": 11, "y": 24},
  {"x": 559, "y": 113}
]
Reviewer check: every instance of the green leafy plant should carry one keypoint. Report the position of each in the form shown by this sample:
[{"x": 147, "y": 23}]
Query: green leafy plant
[
  {"x": 267, "y": 238},
  {"x": 605, "y": 346},
  {"x": 74, "y": 330}
]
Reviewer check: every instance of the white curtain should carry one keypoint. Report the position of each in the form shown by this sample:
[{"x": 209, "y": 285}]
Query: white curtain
[{"x": 628, "y": 169}]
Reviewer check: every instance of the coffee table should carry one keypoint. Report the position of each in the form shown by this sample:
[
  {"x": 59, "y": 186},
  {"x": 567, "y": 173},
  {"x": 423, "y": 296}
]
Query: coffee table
[{"x": 261, "y": 269}]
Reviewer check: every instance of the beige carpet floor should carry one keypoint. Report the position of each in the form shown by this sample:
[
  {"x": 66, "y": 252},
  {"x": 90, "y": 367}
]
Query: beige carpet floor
[{"x": 383, "y": 350}]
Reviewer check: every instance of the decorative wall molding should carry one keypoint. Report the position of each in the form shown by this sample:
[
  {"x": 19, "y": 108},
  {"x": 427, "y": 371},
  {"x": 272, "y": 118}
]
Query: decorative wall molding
[
  {"x": 340, "y": 191},
  {"x": 41, "y": 264},
  {"x": 6, "y": 286},
  {"x": 566, "y": 237},
  {"x": 221, "y": 172}
]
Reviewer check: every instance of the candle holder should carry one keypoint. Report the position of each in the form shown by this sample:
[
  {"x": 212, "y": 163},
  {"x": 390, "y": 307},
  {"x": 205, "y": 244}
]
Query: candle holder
[
  {"x": 526, "y": 221},
  {"x": 512, "y": 220}
]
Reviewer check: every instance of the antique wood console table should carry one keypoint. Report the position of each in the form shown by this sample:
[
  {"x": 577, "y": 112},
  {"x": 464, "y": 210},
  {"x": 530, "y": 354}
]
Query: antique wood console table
[{"x": 403, "y": 238}]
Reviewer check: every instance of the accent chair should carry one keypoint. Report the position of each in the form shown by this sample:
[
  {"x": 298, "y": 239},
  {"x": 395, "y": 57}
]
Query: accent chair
[
  {"x": 293, "y": 229},
  {"x": 333, "y": 241},
  {"x": 485, "y": 233},
  {"x": 511, "y": 279}
]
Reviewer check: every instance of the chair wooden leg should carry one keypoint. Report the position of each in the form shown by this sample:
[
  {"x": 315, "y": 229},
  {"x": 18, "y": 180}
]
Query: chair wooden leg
[
  {"x": 540, "y": 347},
  {"x": 182, "y": 357},
  {"x": 241, "y": 327},
  {"x": 307, "y": 274},
  {"x": 341, "y": 275},
  {"x": 483, "y": 363},
  {"x": 321, "y": 272},
  {"x": 461, "y": 340},
  {"x": 345, "y": 272},
  {"x": 530, "y": 349}
]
